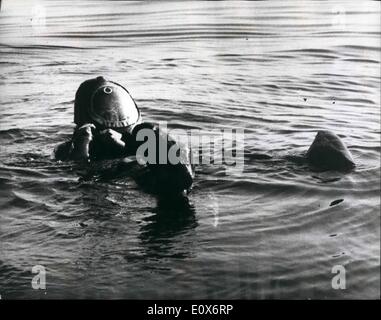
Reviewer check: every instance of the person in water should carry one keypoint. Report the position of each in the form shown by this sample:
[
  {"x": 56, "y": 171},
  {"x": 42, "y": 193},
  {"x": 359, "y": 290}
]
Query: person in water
[{"x": 107, "y": 124}]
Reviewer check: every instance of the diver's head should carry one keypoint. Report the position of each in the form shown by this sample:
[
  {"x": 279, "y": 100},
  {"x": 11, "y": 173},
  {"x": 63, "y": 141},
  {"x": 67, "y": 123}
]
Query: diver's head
[{"x": 106, "y": 104}]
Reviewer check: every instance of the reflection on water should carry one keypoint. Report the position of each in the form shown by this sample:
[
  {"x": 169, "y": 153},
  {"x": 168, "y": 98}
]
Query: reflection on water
[
  {"x": 171, "y": 220},
  {"x": 278, "y": 71}
]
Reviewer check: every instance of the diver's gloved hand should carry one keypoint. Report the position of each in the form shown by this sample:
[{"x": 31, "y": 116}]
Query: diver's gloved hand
[
  {"x": 81, "y": 142},
  {"x": 112, "y": 139}
]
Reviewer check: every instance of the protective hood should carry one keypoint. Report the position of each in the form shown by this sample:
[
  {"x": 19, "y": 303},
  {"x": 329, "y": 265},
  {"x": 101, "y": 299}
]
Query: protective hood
[{"x": 105, "y": 103}]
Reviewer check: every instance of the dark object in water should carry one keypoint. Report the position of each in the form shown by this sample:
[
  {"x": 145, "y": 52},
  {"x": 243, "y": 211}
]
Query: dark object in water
[
  {"x": 108, "y": 127},
  {"x": 335, "y": 202},
  {"x": 160, "y": 179},
  {"x": 328, "y": 152}
]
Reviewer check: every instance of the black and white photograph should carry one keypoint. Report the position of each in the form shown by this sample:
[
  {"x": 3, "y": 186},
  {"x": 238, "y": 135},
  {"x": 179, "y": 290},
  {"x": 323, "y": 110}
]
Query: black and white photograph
[{"x": 190, "y": 150}]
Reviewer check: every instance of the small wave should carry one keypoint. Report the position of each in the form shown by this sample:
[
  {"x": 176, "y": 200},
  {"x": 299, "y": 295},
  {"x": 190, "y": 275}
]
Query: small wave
[
  {"x": 362, "y": 60},
  {"x": 361, "y": 48},
  {"x": 40, "y": 47},
  {"x": 14, "y": 134}
]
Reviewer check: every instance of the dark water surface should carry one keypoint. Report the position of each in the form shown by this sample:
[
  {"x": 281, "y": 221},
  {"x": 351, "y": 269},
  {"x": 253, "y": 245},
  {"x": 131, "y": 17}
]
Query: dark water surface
[{"x": 279, "y": 70}]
